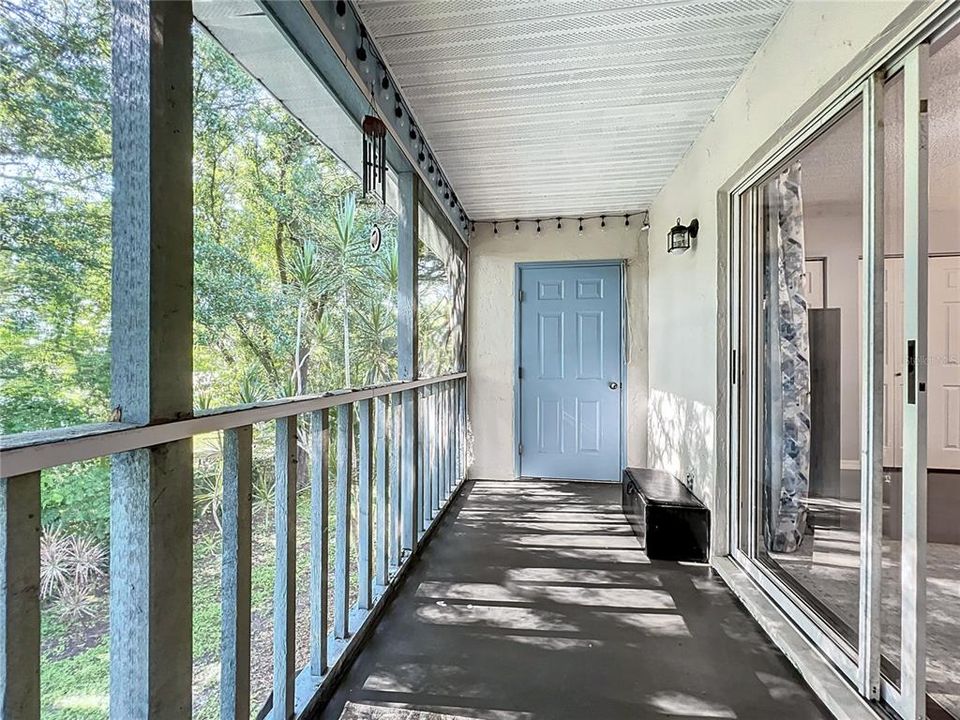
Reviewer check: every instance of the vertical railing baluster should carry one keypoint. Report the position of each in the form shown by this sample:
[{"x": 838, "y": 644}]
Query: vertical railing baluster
[
  {"x": 434, "y": 449},
  {"x": 442, "y": 443},
  {"x": 431, "y": 435},
  {"x": 423, "y": 439},
  {"x": 319, "y": 539},
  {"x": 381, "y": 576},
  {"x": 235, "y": 575},
  {"x": 438, "y": 446},
  {"x": 365, "y": 507},
  {"x": 410, "y": 469},
  {"x": 284, "y": 588},
  {"x": 462, "y": 431},
  {"x": 396, "y": 441},
  {"x": 20, "y": 596},
  {"x": 451, "y": 414},
  {"x": 450, "y": 434},
  {"x": 341, "y": 571}
]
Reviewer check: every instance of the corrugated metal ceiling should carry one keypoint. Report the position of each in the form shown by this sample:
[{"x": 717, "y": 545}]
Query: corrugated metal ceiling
[{"x": 553, "y": 107}]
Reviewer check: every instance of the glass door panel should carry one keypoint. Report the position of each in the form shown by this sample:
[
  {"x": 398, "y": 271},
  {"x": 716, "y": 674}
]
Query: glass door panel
[
  {"x": 808, "y": 498},
  {"x": 943, "y": 382}
]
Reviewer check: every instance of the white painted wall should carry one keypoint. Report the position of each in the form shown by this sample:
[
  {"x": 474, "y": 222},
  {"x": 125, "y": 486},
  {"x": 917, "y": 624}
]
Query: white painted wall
[
  {"x": 490, "y": 325},
  {"x": 812, "y": 42}
]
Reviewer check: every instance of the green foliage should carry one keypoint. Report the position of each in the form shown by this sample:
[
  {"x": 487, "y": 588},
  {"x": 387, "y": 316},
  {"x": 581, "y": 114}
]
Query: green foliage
[
  {"x": 77, "y": 498},
  {"x": 289, "y": 299}
]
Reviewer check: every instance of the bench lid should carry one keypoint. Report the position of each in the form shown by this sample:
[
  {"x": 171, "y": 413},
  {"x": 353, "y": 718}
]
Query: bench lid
[{"x": 662, "y": 488}]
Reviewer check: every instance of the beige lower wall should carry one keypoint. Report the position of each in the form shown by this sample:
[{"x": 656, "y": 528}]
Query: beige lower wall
[
  {"x": 813, "y": 42},
  {"x": 490, "y": 327}
]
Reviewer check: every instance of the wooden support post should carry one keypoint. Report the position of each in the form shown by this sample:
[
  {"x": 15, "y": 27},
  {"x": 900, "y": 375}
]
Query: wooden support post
[
  {"x": 285, "y": 580},
  {"x": 20, "y": 596},
  {"x": 151, "y": 496},
  {"x": 408, "y": 251},
  {"x": 341, "y": 570},
  {"x": 365, "y": 507},
  {"x": 408, "y": 346},
  {"x": 396, "y": 441},
  {"x": 319, "y": 539},
  {"x": 381, "y": 574},
  {"x": 235, "y": 576}
]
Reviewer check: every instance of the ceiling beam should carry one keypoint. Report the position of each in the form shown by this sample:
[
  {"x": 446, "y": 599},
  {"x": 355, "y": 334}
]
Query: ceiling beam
[{"x": 331, "y": 52}]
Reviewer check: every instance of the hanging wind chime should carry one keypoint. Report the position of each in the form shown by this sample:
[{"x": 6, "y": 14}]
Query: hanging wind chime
[{"x": 374, "y": 157}]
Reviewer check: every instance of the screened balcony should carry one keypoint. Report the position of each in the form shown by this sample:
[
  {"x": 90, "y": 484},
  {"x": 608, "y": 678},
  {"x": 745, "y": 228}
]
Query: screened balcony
[{"x": 332, "y": 333}]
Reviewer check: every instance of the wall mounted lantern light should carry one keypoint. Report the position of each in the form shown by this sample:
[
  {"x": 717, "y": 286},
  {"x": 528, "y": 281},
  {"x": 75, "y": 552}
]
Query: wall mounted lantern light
[{"x": 680, "y": 235}]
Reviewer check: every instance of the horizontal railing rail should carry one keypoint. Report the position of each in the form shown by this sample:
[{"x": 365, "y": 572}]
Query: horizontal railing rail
[
  {"x": 394, "y": 454},
  {"x": 33, "y": 451}
]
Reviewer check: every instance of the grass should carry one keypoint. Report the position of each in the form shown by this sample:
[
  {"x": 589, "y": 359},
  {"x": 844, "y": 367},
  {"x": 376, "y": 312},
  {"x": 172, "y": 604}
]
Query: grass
[{"x": 74, "y": 667}]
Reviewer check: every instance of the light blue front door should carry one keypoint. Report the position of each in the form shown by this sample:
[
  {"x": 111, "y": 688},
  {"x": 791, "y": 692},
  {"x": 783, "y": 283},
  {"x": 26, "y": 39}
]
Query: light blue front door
[{"x": 570, "y": 368}]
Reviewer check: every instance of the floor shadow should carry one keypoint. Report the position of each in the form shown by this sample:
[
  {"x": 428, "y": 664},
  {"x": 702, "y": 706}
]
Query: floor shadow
[{"x": 533, "y": 601}]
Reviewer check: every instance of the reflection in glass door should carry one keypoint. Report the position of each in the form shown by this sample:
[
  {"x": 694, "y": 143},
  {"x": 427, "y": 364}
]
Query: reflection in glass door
[
  {"x": 846, "y": 422},
  {"x": 808, "y": 514}
]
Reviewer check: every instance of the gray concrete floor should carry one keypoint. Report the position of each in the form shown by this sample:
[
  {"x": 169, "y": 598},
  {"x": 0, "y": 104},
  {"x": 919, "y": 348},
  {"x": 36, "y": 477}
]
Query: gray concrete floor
[{"x": 533, "y": 601}]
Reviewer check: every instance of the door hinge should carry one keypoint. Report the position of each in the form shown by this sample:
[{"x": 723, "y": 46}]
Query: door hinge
[
  {"x": 521, "y": 295},
  {"x": 520, "y": 373},
  {"x": 519, "y": 449}
]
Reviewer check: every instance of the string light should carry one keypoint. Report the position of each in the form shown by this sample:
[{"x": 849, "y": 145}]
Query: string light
[
  {"x": 580, "y": 220},
  {"x": 341, "y": 8},
  {"x": 646, "y": 221},
  {"x": 473, "y": 227},
  {"x": 495, "y": 230},
  {"x": 362, "y": 51},
  {"x": 413, "y": 133}
]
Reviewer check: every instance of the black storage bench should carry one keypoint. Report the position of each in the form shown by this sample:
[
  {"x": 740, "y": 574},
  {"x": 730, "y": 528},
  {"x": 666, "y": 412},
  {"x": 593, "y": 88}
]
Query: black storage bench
[{"x": 669, "y": 520}]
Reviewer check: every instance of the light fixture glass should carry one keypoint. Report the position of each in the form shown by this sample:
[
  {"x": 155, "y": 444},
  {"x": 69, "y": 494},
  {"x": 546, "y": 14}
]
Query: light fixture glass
[{"x": 680, "y": 235}]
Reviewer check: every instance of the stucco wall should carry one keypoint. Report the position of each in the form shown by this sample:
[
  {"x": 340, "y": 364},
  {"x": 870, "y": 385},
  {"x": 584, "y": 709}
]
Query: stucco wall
[
  {"x": 812, "y": 43},
  {"x": 490, "y": 325}
]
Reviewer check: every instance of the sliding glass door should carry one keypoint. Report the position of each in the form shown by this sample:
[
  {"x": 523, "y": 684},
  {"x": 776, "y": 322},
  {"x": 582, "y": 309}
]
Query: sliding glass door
[{"x": 845, "y": 426}]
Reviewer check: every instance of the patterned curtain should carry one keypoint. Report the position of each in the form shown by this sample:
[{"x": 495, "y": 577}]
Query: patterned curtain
[{"x": 792, "y": 420}]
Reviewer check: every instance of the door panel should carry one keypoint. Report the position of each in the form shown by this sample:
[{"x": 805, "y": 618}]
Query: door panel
[
  {"x": 943, "y": 369},
  {"x": 570, "y": 367},
  {"x": 943, "y": 366}
]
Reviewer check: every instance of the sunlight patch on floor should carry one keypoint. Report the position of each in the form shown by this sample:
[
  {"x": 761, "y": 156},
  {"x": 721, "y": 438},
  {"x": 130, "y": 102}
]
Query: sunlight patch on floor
[{"x": 678, "y": 703}]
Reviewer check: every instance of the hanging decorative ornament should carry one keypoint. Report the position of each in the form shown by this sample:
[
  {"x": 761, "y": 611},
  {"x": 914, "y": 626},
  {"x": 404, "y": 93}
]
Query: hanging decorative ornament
[
  {"x": 376, "y": 238},
  {"x": 374, "y": 157}
]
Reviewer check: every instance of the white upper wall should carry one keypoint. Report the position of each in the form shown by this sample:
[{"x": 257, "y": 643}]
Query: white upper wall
[
  {"x": 491, "y": 307},
  {"x": 812, "y": 42}
]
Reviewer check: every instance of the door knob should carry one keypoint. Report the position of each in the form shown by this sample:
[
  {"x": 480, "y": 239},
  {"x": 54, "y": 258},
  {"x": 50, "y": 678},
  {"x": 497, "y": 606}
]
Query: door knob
[{"x": 612, "y": 385}]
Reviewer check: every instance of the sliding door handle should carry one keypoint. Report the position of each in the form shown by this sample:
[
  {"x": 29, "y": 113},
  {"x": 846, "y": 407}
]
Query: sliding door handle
[{"x": 912, "y": 372}]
